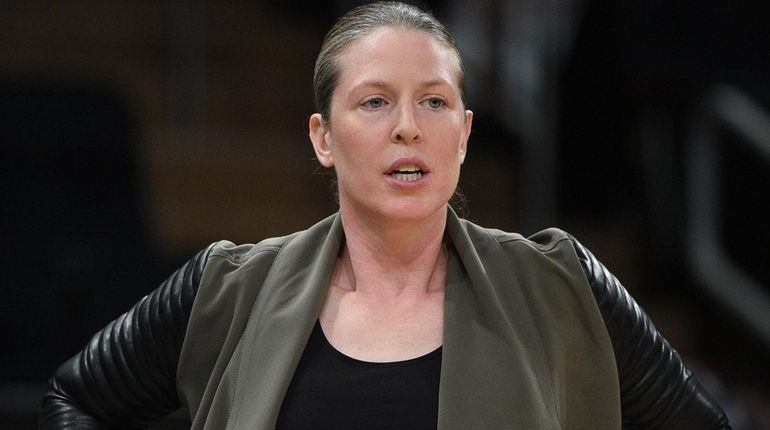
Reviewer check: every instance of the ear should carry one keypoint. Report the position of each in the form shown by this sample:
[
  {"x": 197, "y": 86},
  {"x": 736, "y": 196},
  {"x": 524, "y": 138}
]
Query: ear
[
  {"x": 466, "y": 135},
  {"x": 319, "y": 136}
]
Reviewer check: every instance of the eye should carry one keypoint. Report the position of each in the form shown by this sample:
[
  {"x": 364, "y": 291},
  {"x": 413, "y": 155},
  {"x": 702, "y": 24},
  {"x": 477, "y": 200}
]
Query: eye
[
  {"x": 435, "y": 103},
  {"x": 374, "y": 103}
]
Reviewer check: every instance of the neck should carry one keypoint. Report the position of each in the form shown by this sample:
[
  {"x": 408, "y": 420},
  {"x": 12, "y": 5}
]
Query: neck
[{"x": 393, "y": 257}]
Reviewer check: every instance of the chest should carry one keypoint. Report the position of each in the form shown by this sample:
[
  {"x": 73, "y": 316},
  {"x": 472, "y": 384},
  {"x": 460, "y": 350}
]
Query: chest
[
  {"x": 380, "y": 331},
  {"x": 332, "y": 390}
]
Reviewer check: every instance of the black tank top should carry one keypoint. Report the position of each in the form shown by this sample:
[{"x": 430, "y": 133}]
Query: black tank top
[{"x": 333, "y": 391}]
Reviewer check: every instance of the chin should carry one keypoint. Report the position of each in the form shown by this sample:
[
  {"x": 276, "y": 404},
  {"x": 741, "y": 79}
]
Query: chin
[
  {"x": 395, "y": 208},
  {"x": 411, "y": 211}
]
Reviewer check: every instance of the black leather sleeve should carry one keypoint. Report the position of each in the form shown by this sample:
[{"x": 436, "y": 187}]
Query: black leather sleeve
[
  {"x": 657, "y": 391},
  {"x": 126, "y": 376}
]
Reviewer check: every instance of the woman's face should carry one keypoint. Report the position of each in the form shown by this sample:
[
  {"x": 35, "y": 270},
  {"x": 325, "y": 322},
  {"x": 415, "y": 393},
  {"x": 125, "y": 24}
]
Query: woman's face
[{"x": 398, "y": 129}]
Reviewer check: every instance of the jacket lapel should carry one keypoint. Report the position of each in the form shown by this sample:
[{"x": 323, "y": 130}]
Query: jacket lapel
[
  {"x": 280, "y": 324},
  {"x": 493, "y": 361}
]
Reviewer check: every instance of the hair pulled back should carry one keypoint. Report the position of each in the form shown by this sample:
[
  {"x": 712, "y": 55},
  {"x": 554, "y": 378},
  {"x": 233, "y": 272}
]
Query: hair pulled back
[{"x": 362, "y": 21}]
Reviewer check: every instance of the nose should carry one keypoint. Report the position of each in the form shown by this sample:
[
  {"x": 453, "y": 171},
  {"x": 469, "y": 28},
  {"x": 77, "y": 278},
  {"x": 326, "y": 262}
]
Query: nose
[{"x": 406, "y": 129}]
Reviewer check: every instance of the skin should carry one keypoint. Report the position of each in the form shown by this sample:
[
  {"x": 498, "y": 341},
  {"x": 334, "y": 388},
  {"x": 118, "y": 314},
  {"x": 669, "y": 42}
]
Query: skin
[{"x": 397, "y": 103}]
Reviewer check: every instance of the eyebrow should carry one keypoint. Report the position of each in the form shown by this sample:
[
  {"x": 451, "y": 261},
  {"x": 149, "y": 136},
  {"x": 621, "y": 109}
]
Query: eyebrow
[{"x": 382, "y": 84}]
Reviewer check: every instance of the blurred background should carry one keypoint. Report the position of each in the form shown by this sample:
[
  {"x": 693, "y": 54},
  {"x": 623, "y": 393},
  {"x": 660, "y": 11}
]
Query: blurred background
[{"x": 134, "y": 133}]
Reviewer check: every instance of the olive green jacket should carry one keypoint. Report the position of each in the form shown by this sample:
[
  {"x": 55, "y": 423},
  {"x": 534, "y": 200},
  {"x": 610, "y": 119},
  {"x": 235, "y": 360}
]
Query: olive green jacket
[{"x": 524, "y": 346}]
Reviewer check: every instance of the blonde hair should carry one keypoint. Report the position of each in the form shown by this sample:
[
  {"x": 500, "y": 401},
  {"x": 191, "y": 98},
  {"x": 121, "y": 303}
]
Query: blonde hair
[{"x": 362, "y": 21}]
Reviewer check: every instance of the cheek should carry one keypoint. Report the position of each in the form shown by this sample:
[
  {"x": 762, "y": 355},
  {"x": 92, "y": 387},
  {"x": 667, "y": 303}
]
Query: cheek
[
  {"x": 355, "y": 139},
  {"x": 452, "y": 142},
  {"x": 349, "y": 149}
]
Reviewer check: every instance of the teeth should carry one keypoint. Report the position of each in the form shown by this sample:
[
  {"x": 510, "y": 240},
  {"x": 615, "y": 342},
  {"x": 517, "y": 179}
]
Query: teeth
[
  {"x": 407, "y": 168},
  {"x": 407, "y": 172},
  {"x": 407, "y": 177}
]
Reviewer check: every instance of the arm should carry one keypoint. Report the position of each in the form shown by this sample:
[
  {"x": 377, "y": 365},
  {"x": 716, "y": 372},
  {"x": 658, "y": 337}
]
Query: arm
[
  {"x": 657, "y": 391},
  {"x": 126, "y": 376}
]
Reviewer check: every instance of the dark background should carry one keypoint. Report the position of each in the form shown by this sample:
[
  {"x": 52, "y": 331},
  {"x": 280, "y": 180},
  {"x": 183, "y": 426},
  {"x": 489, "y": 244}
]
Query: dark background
[{"x": 135, "y": 133}]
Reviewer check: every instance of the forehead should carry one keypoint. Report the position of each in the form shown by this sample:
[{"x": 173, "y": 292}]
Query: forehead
[{"x": 393, "y": 53}]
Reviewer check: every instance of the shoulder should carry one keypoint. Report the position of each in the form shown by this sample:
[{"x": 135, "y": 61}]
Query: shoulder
[
  {"x": 233, "y": 256},
  {"x": 551, "y": 244},
  {"x": 232, "y": 278},
  {"x": 233, "y": 275},
  {"x": 544, "y": 241},
  {"x": 544, "y": 266},
  {"x": 238, "y": 254},
  {"x": 551, "y": 247}
]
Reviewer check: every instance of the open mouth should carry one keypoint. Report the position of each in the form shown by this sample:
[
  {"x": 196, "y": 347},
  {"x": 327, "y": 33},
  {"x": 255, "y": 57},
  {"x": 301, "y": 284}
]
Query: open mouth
[{"x": 407, "y": 173}]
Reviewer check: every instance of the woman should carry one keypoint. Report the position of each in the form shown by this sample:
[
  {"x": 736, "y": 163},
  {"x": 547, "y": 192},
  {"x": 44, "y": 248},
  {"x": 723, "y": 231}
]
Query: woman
[{"x": 392, "y": 313}]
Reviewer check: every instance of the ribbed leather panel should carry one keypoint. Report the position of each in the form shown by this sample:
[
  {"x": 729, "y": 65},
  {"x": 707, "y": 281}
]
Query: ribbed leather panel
[
  {"x": 126, "y": 376},
  {"x": 657, "y": 390}
]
